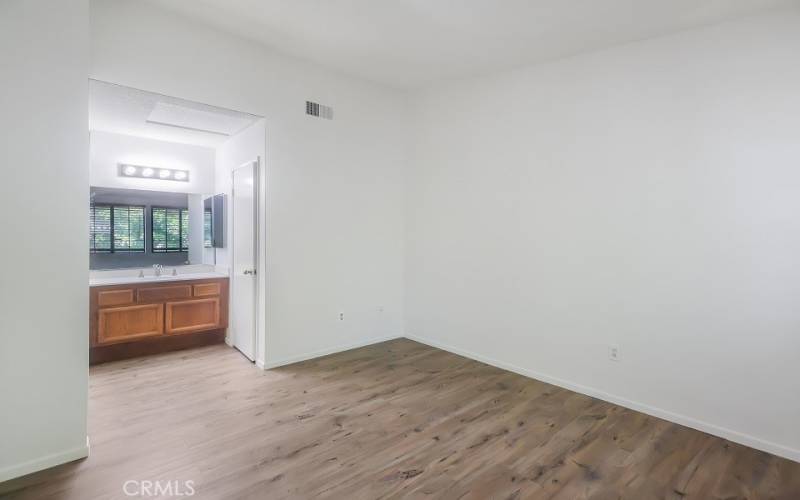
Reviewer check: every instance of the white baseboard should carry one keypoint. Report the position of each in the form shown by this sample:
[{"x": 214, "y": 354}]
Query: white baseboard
[
  {"x": 324, "y": 352},
  {"x": 45, "y": 462},
  {"x": 730, "y": 435}
]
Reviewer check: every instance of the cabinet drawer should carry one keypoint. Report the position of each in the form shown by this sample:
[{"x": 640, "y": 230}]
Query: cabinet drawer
[
  {"x": 206, "y": 289},
  {"x": 120, "y": 324},
  {"x": 192, "y": 315},
  {"x": 110, "y": 298},
  {"x": 162, "y": 293}
]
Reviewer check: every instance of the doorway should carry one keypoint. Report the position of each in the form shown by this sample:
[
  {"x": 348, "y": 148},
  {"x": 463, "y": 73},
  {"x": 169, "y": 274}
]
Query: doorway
[{"x": 172, "y": 267}]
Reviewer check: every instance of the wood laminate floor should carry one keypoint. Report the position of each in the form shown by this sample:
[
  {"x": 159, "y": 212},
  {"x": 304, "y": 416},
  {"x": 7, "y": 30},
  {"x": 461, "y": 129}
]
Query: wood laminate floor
[{"x": 392, "y": 420}]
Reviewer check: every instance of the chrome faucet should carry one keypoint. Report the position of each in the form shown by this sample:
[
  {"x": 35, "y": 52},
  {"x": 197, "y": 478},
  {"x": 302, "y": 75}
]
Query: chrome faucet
[{"x": 158, "y": 269}]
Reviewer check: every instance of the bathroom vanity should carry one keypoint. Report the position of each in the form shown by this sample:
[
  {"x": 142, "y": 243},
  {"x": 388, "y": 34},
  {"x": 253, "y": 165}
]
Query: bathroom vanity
[{"x": 134, "y": 316}]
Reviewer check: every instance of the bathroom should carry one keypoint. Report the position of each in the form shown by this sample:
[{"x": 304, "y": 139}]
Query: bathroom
[{"x": 174, "y": 247}]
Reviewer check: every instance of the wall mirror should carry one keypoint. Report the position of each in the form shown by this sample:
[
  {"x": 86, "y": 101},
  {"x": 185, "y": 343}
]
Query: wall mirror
[{"x": 130, "y": 228}]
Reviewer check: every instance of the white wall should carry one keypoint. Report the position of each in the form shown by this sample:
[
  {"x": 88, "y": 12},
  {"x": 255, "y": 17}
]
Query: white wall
[
  {"x": 44, "y": 157},
  {"x": 107, "y": 150},
  {"x": 334, "y": 188},
  {"x": 644, "y": 196},
  {"x": 248, "y": 146}
]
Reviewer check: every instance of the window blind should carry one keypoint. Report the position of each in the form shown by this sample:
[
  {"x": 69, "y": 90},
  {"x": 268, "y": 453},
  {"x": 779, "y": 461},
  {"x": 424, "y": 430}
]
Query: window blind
[
  {"x": 99, "y": 228},
  {"x": 170, "y": 230},
  {"x": 128, "y": 223},
  {"x": 116, "y": 228}
]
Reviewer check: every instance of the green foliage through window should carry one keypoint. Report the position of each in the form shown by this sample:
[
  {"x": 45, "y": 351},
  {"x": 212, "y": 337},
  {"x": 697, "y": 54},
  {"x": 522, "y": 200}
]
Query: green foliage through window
[
  {"x": 128, "y": 229},
  {"x": 99, "y": 228},
  {"x": 116, "y": 228},
  {"x": 170, "y": 229}
]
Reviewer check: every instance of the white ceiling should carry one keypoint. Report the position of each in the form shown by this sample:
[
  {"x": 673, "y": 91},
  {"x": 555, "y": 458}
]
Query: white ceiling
[
  {"x": 408, "y": 43},
  {"x": 128, "y": 111}
]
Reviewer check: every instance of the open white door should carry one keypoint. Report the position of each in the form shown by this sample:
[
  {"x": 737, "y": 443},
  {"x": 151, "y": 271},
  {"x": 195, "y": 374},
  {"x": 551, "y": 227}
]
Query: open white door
[{"x": 244, "y": 258}]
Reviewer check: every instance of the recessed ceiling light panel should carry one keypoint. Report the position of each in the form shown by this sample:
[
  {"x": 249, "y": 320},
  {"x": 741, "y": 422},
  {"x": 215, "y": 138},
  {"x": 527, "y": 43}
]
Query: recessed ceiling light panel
[{"x": 142, "y": 172}]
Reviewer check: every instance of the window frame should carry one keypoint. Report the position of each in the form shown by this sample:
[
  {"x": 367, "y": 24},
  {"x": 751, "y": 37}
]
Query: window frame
[
  {"x": 112, "y": 248},
  {"x": 180, "y": 248},
  {"x": 93, "y": 234}
]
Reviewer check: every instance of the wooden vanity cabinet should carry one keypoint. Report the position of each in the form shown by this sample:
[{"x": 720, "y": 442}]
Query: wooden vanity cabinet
[
  {"x": 192, "y": 315},
  {"x": 123, "y": 324},
  {"x": 144, "y": 318}
]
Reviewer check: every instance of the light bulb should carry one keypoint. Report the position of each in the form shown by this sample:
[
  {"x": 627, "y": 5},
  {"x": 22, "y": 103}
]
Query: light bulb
[
  {"x": 180, "y": 175},
  {"x": 130, "y": 170},
  {"x": 164, "y": 173},
  {"x": 147, "y": 172}
]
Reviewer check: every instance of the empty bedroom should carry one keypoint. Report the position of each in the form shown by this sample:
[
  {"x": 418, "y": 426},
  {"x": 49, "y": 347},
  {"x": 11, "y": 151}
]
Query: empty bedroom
[{"x": 295, "y": 249}]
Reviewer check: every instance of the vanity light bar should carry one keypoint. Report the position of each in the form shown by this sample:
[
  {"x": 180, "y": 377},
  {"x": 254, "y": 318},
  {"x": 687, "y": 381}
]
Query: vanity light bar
[{"x": 164, "y": 174}]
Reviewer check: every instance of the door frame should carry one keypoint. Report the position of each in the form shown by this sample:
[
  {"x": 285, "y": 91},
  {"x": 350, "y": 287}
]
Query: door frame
[{"x": 256, "y": 166}]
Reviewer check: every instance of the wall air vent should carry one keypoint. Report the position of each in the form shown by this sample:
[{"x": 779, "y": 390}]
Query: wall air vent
[{"x": 318, "y": 110}]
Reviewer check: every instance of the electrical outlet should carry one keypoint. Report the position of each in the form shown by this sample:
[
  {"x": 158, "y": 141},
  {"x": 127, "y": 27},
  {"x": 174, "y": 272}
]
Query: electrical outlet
[
  {"x": 341, "y": 316},
  {"x": 613, "y": 353}
]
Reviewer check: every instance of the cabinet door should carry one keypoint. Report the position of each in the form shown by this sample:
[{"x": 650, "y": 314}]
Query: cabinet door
[
  {"x": 110, "y": 298},
  {"x": 162, "y": 293},
  {"x": 207, "y": 289},
  {"x": 192, "y": 315},
  {"x": 120, "y": 324}
]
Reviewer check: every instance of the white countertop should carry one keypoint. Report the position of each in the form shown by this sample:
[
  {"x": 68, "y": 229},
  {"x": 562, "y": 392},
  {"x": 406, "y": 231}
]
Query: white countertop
[{"x": 167, "y": 277}]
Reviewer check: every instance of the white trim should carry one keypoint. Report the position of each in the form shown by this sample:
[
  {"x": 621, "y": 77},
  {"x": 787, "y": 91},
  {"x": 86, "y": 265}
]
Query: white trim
[
  {"x": 45, "y": 462},
  {"x": 259, "y": 331},
  {"x": 324, "y": 352},
  {"x": 730, "y": 435}
]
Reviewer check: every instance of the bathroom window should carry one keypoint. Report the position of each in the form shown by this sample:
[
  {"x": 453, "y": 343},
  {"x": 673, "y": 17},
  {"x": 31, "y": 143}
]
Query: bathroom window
[
  {"x": 208, "y": 238},
  {"x": 116, "y": 228},
  {"x": 128, "y": 224},
  {"x": 184, "y": 230},
  {"x": 100, "y": 228},
  {"x": 170, "y": 229}
]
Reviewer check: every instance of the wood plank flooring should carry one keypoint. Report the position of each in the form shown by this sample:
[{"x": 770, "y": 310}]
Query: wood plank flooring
[{"x": 392, "y": 420}]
